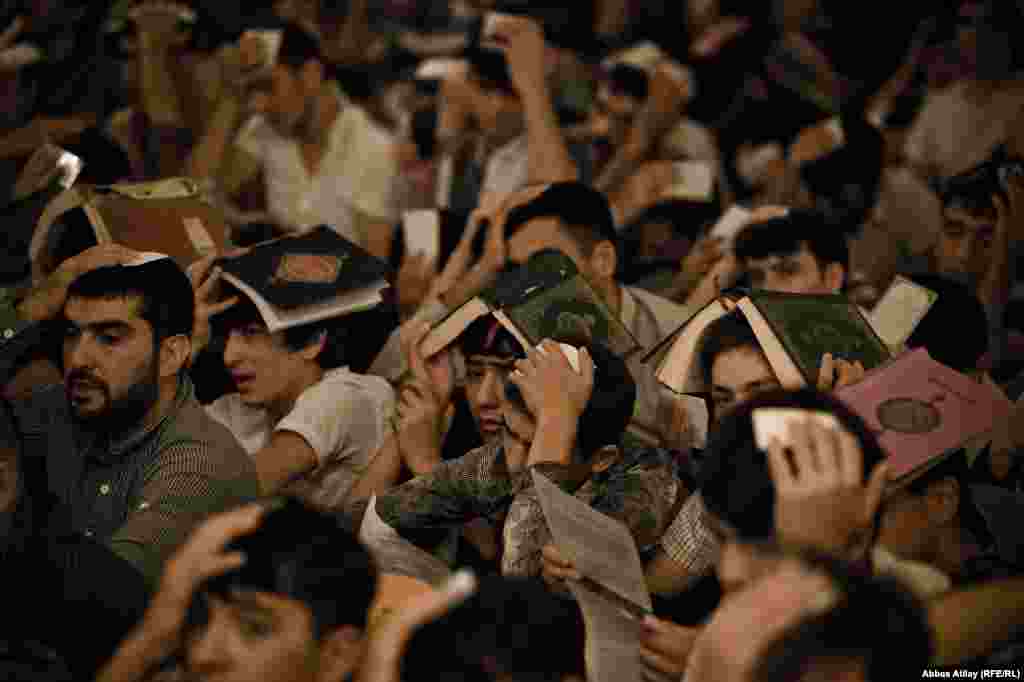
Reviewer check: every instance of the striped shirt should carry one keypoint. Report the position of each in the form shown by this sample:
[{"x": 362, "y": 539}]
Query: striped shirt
[{"x": 142, "y": 492}]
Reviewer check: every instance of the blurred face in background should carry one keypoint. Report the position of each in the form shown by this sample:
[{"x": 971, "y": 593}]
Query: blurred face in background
[{"x": 964, "y": 250}]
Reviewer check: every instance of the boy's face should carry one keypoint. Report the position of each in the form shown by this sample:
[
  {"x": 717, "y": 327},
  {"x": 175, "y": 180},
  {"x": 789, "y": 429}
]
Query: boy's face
[
  {"x": 485, "y": 389},
  {"x": 254, "y": 636},
  {"x": 795, "y": 273},
  {"x": 263, "y": 368},
  {"x": 737, "y": 375},
  {"x": 965, "y": 245}
]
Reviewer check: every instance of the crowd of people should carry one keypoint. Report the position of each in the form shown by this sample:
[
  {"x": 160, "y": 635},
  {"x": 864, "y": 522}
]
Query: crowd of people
[{"x": 198, "y": 497}]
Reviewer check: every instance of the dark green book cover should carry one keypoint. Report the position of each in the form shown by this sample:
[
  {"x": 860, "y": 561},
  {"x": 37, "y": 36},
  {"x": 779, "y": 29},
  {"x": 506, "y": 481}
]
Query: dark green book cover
[
  {"x": 811, "y": 325},
  {"x": 549, "y": 298}
]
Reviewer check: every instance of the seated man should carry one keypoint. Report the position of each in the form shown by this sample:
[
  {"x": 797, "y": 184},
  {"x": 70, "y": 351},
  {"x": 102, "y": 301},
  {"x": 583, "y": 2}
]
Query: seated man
[
  {"x": 128, "y": 448},
  {"x": 260, "y": 593},
  {"x": 305, "y": 419},
  {"x": 564, "y": 425}
]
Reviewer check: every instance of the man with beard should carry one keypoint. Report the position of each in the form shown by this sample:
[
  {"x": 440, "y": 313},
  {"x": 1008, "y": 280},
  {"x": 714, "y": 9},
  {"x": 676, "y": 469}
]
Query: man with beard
[{"x": 130, "y": 453}]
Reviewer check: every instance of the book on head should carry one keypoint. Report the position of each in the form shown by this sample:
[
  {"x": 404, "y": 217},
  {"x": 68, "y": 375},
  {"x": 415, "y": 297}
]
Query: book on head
[
  {"x": 312, "y": 276},
  {"x": 920, "y": 410},
  {"x": 793, "y": 330},
  {"x": 901, "y": 308},
  {"x": 167, "y": 216},
  {"x": 547, "y": 298}
]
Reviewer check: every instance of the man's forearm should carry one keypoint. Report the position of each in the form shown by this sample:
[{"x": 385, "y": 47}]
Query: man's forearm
[
  {"x": 549, "y": 159},
  {"x": 958, "y": 637},
  {"x": 208, "y": 155}
]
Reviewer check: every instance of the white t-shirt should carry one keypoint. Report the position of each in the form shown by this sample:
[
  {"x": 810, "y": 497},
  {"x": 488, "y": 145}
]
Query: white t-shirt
[
  {"x": 356, "y": 172},
  {"x": 343, "y": 417}
]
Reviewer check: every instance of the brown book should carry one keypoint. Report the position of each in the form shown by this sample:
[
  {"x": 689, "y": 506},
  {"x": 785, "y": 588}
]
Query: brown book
[{"x": 168, "y": 216}]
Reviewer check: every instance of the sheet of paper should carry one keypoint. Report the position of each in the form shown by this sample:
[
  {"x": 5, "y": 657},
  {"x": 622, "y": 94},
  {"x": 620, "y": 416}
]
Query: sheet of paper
[
  {"x": 774, "y": 423},
  {"x": 901, "y": 308},
  {"x": 730, "y": 224},
  {"x": 692, "y": 180},
  {"x": 423, "y": 233},
  {"x": 601, "y": 547},
  {"x": 612, "y": 650}
]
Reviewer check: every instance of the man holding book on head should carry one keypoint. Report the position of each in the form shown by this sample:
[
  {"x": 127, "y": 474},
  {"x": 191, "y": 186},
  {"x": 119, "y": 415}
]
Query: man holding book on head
[
  {"x": 287, "y": 310},
  {"x": 129, "y": 450}
]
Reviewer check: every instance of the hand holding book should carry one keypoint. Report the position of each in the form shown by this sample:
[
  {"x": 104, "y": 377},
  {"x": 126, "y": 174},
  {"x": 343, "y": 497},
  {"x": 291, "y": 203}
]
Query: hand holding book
[{"x": 424, "y": 401}]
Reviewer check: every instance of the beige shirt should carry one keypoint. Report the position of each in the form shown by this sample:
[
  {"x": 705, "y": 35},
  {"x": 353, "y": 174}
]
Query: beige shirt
[
  {"x": 959, "y": 126},
  {"x": 356, "y": 173},
  {"x": 343, "y": 418}
]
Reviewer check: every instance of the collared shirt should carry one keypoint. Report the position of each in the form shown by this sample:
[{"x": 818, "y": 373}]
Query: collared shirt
[
  {"x": 355, "y": 173},
  {"x": 142, "y": 492},
  {"x": 639, "y": 490}
]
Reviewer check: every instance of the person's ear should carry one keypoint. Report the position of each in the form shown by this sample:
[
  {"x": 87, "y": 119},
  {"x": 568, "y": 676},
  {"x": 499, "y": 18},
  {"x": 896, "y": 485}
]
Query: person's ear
[
  {"x": 175, "y": 351},
  {"x": 340, "y": 652},
  {"x": 835, "y": 276},
  {"x": 943, "y": 501},
  {"x": 312, "y": 75},
  {"x": 314, "y": 348},
  {"x": 604, "y": 458},
  {"x": 603, "y": 261}
]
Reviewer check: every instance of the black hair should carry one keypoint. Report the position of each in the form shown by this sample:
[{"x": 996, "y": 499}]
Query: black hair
[
  {"x": 628, "y": 80},
  {"x": 164, "y": 290},
  {"x": 424, "y": 132},
  {"x": 611, "y": 404},
  {"x": 876, "y": 620},
  {"x": 736, "y": 484},
  {"x": 584, "y": 213},
  {"x": 514, "y": 626},
  {"x": 298, "y": 46},
  {"x": 337, "y": 331},
  {"x": 784, "y": 235},
  {"x": 490, "y": 67},
  {"x": 305, "y": 555},
  {"x": 956, "y": 308},
  {"x": 727, "y": 333},
  {"x": 487, "y": 336},
  {"x": 973, "y": 189}
]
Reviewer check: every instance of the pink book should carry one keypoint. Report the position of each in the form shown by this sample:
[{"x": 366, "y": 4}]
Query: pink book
[{"x": 920, "y": 410}]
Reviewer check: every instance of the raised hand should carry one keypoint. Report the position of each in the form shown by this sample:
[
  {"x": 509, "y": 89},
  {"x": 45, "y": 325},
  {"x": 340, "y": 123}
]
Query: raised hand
[
  {"x": 205, "y": 278},
  {"x": 836, "y": 373},
  {"x": 424, "y": 403},
  {"x": 550, "y": 386},
  {"x": 821, "y": 498}
]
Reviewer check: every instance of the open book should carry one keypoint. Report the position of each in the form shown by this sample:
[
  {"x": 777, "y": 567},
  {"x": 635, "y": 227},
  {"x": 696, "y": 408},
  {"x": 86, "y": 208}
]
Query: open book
[
  {"x": 613, "y": 593},
  {"x": 921, "y": 410},
  {"x": 167, "y": 216},
  {"x": 545, "y": 299},
  {"x": 308, "y": 277},
  {"x": 901, "y": 308},
  {"x": 793, "y": 330}
]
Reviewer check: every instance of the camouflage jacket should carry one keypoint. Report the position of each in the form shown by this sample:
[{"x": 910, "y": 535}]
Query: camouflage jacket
[{"x": 640, "y": 490}]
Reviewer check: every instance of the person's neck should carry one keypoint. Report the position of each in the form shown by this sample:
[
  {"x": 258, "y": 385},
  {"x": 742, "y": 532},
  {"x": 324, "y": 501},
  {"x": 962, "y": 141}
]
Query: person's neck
[
  {"x": 280, "y": 408},
  {"x": 324, "y": 112},
  {"x": 167, "y": 393}
]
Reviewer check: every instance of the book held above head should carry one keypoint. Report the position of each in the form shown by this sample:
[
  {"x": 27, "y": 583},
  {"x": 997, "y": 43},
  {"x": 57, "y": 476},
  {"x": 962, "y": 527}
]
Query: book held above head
[
  {"x": 545, "y": 298},
  {"x": 313, "y": 276},
  {"x": 169, "y": 216}
]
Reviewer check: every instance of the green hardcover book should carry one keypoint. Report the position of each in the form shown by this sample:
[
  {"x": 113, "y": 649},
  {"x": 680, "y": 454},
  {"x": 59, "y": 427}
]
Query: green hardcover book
[
  {"x": 545, "y": 298},
  {"x": 796, "y": 330}
]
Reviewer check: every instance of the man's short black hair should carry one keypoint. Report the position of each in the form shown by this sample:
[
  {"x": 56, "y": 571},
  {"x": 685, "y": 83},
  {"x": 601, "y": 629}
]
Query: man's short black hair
[
  {"x": 735, "y": 481},
  {"x": 973, "y": 189},
  {"x": 487, "y": 336},
  {"x": 337, "y": 332},
  {"x": 877, "y": 621},
  {"x": 727, "y": 333},
  {"x": 303, "y": 554},
  {"x": 298, "y": 46},
  {"x": 164, "y": 291},
  {"x": 957, "y": 308},
  {"x": 583, "y": 212},
  {"x": 783, "y": 235},
  {"x": 629, "y": 80},
  {"x": 511, "y": 626}
]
